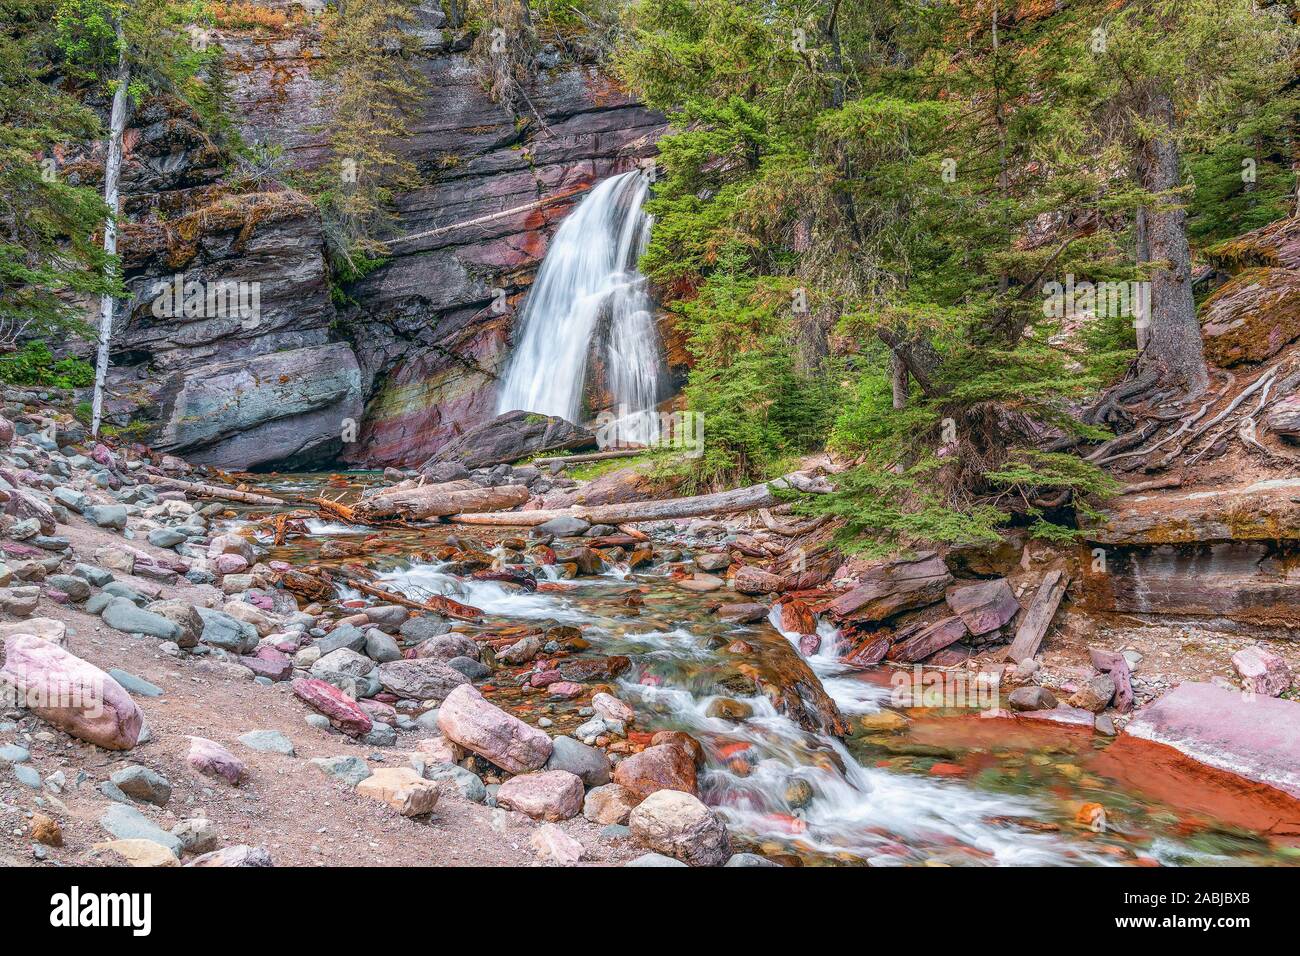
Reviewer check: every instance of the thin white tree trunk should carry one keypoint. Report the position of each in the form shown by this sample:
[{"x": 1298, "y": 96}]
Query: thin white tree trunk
[{"x": 112, "y": 173}]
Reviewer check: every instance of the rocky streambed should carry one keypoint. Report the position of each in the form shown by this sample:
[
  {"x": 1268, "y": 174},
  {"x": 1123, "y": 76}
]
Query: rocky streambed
[{"x": 264, "y": 684}]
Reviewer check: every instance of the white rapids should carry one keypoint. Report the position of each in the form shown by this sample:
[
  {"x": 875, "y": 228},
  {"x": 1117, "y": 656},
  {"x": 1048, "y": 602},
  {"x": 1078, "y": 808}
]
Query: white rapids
[{"x": 589, "y": 298}]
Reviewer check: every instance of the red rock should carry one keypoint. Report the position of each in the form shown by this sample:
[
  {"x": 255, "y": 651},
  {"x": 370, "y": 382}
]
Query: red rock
[
  {"x": 72, "y": 694},
  {"x": 809, "y": 644},
  {"x": 930, "y": 639},
  {"x": 544, "y": 678},
  {"x": 593, "y": 668},
  {"x": 798, "y": 618},
  {"x": 662, "y": 767},
  {"x": 269, "y": 662},
  {"x": 891, "y": 587},
  {"x": 327, "y": 699},
  {"x": 947, "y": 770},
  {"x": 985, "y": 606},
  {"x": 679, "y": 738},
  {"x": 548, "y": 795},
  {"x": 213, "y": 760},
  {"x": 1114, "y": 664},
  {"x": 752, "y": 580},
  {"x": 564, "y": 689}
]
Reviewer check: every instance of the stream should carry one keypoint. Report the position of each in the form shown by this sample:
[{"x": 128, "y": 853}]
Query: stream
[{"x": 908, "y": 786}]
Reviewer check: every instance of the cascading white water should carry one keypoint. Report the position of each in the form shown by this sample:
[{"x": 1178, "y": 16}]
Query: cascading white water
[{"x": 589, "y": 292}]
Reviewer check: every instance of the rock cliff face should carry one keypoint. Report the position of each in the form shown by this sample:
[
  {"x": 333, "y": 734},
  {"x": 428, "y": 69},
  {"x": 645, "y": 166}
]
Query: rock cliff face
[{"x": 411, "y": 361}]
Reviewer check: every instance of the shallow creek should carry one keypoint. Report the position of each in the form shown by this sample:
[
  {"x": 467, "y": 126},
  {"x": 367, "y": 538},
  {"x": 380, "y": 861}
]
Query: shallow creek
[{"x": 948, "y": 787}]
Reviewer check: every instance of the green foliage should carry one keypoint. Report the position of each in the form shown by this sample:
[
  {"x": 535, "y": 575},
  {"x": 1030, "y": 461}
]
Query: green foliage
[{"x": 34, "y": 365}]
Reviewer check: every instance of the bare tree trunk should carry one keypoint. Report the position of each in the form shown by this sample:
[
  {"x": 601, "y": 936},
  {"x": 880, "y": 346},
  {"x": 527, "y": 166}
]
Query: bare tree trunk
[
  {"x": 1173, "y": 347},
  {"x": 898, "y": 380},
  {"x": 1142, "y": 256},
  {"x": 112, "y": 174}
]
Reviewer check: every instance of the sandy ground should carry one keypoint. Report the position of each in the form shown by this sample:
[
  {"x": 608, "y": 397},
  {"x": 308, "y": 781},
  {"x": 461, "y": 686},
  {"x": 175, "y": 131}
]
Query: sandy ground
[{"x": 287, "y": 805}]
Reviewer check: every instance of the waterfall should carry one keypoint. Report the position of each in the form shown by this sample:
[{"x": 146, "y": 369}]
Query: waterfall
[{"x": 589, "y": 298}]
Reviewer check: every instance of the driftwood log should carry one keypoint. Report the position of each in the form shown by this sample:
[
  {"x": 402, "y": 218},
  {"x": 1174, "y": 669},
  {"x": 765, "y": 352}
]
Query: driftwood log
[
  {"x": 1033, "y": 626},
  {"x": 723, "y": 502},
  {"x": 435, "y": 501},
  {"x": 216, "y": 491},
  {"x": 590, "y": 456}
]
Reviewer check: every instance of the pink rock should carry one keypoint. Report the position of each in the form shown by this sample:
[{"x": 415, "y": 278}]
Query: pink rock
[
  {"x": 505, "y": 740},
  {"x": 104, "y": 455},
  {"x": 213, "y": 760},
  {"x": 553, "y": 843},
  {"x": 6, "y": 431},
  {"x": 564, "y": 689},
  {"x": 809, "y": 644},
  {"x": 611, "y": 708},
  {"x": 72, "y": 694},
  {"x": 1257, "y": 737},
  {"x": 549, "y": 795},
  {"x": 231, "y": 544},
  {"x": 1114, "y": 664},
  {"x": 440, "y": 750},
  {"x": 327, "y": 699},
  {"x": 544, "y": 678},
  {"x": 269, "y": 662},
  {"x": 229, "y": 564},
  {"x": 1066, "y": 716},
  {"x": 1262, "y": 671}
]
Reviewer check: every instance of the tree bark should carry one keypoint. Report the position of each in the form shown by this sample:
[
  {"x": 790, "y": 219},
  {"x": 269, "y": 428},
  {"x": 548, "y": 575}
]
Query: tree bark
[
  {"x": 738, "y": 499},
  {"x": 112, "y": 175},
  {"x": 1173, "y": 344}
]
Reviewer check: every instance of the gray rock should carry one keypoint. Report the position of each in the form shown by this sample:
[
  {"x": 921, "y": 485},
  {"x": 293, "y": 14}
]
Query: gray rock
[
  {"x": 27, "y": 776},
  {"x": 77, "y": 589},
  {"x": 128, "y": 823},
  {"x": 351, "y": 770},
  {"x": 108, "y": 516},
  {"x": 381, "y": 648},
  {"x": 423, "y": 679},
  {"x": 185, "y": 617},
  {"x": 1031, "y": 698},
  {"x": 380, "y": 735},
  {"x": 12, "y": 753},
  {"x": 749, "y": 859},
  {"x": 167, "y": 537},
  {"x": 420, "y": 629},
  {"x": 197, "y": 835},
  {"x": 577, "y": 758},
  {"x": 228, "y": 633},
  {"x": 125, "y": 616},
  {"x": 136, "y": 686},
  {"x": 267, "y": 741},
  {"x": 565, "y": 526},
  {"x": 353, "y": 638},
  {"x": 71, "y": 499},
  {"x": 126, "y": 592},
  {"x": 471, "y": 668},
  {"x": 95, "y": 575},
  {"x": 467, "y": 783},
  {"x": 143, "y": 784}
]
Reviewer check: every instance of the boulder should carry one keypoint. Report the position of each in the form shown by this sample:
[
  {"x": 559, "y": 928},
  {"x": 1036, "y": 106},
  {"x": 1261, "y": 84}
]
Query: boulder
[
  {"x": 752, "y": 580},
  {"x": 213, "y": 760},
  {"x": 125, "y": 616},
  {"x": 554, "y": 844},
  {"x": 228, "y": 633},
  {"x": 1252, "y": 316},
  {"x": 547, "y": 795},
  {"x": 142, "y": 784},
  {"x": 564, "y": 526},
  {"x": 611, "y": 803},
  {"x": 72, "y": 694},
  {"x": 1262, "y": 671},
  {"x": 889, "y": 587},
  {"x": 420, "y": 679},
  {"x": 928, "y": 640},
  {"x": 679, "y": 825},
  {"x": 402, "y": 789},
  {"x": 1031, "y": 698},
  {"x": 1258, "y": 739},
  {"x": 661, "y": 767},
  {"x": 184, "y": 616},
  {"x": 985, "y": 606},
  {"x": 467, "y": 719},
  {"x": 588, "y": 763},
  {"x": 342, "y": 710},
  {"x": 510, "y": 437}
]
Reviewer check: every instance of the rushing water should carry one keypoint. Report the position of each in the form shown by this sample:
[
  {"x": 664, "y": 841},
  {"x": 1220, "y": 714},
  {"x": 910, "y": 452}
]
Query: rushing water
[
  {"x": 590, "y": 299},
  {"x": 948, "y": 788}
]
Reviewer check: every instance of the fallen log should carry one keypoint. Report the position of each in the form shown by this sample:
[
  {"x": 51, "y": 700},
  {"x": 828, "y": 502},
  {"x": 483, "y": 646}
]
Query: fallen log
[
  {"x": 216, "y": 491},
  {"x": 590, "y": 456},
  {"x": 437, "y": 603},
  {"x": 723, "y": 502},
  {"x": 435, "y": 501},
  {"x": 1036, "y": 620}
]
